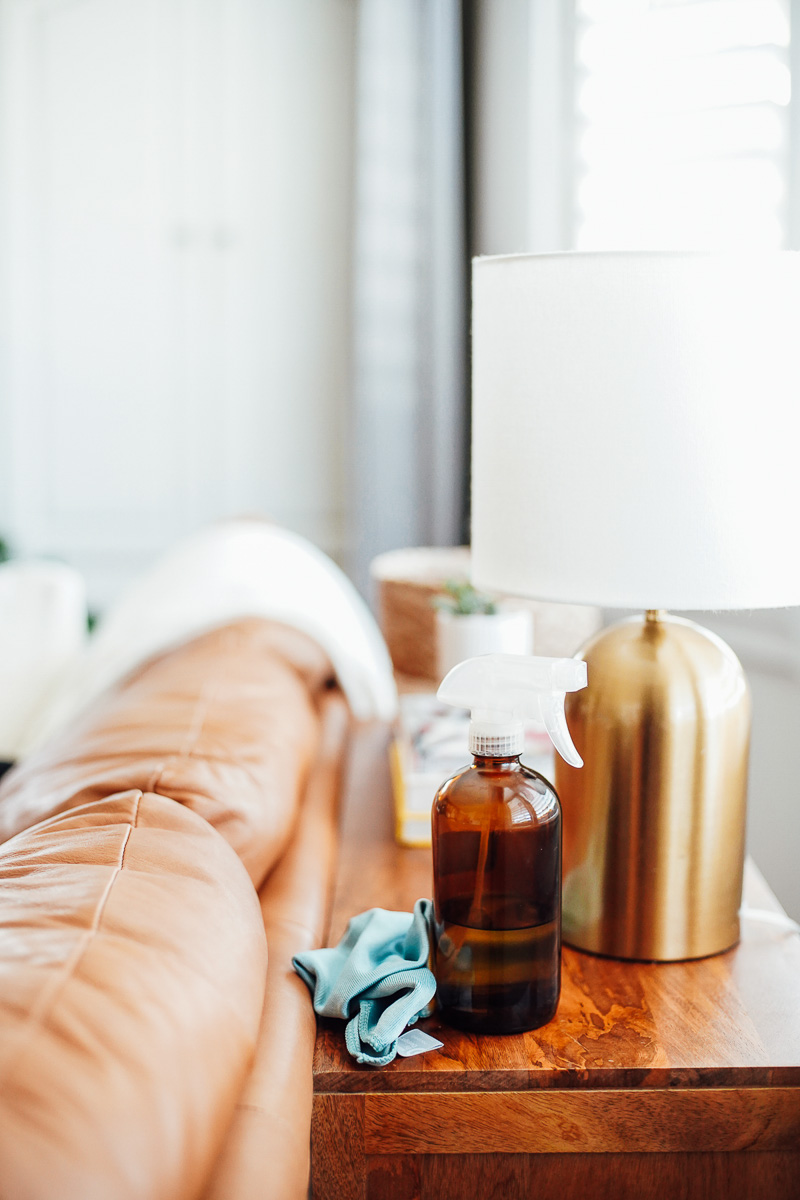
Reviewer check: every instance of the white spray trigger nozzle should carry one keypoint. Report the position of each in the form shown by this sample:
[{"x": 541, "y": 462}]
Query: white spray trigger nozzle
[
  {"x": 503, "y": 690},
  {"x": 555, "y": 722}
]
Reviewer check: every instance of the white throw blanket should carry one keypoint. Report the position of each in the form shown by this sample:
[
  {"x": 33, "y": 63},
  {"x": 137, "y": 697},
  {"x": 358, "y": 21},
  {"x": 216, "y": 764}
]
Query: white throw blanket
[{"x": 234, "y": 569}]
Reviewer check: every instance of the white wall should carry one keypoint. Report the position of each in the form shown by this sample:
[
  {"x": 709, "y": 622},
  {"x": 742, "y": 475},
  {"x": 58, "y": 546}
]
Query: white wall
[
  {"x": 768, "y": 645},
  {"x": 176, "y": 304},
  {"x": 773, "y": 827}
]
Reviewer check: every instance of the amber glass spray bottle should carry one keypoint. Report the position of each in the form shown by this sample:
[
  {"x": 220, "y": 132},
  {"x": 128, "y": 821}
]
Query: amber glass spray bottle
[{"x": 497, "y": 849}]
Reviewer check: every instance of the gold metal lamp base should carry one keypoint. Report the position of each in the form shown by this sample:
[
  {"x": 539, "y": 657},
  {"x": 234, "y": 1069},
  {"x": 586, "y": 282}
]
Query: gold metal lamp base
[{"x": 654, "y": 823}]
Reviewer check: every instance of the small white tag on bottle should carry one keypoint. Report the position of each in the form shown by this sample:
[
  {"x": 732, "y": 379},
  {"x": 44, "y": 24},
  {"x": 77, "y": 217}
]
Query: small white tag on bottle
[{"x": 414, "y": 1041}]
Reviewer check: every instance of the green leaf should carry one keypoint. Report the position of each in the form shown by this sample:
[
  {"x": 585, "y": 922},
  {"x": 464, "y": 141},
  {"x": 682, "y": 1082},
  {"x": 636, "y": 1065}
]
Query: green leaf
[{"x": 462, "y": 599}]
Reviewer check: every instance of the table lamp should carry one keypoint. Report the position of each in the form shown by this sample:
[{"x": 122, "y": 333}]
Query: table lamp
[{"x": 635, "y": 445}]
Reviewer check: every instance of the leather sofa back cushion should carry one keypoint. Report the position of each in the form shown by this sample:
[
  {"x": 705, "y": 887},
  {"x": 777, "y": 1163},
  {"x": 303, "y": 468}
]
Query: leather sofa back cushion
[
  {"x": 132, "y": 964},
  {"x": 225, "y": 725}
]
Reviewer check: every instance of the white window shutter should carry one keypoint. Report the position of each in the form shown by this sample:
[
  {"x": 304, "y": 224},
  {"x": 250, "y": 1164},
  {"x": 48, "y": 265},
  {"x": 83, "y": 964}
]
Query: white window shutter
[{"x": 682, "y": 132}]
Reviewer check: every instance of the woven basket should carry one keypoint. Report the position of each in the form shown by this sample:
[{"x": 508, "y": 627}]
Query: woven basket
[{"x": 406, "y": 582}]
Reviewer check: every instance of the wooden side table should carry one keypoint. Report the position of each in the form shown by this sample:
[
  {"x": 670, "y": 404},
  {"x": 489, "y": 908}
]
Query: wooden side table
[{"x": 677, "y": 1080}]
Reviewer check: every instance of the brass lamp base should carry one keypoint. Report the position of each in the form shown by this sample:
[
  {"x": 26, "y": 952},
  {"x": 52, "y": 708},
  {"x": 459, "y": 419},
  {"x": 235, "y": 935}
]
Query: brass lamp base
[{"x": 654, "y": 823}]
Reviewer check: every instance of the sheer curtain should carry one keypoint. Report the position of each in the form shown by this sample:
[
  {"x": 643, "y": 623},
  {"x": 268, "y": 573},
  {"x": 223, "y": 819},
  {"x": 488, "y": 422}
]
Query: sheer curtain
[{"x": 407, "y": 435}]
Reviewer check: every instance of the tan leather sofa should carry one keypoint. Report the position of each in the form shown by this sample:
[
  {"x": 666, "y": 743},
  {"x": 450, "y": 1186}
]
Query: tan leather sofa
[{"x": 161, "y": 861}]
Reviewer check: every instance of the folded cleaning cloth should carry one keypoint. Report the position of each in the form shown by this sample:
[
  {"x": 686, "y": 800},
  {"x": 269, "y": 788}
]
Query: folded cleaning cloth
[{"x": 377, "y": 979}]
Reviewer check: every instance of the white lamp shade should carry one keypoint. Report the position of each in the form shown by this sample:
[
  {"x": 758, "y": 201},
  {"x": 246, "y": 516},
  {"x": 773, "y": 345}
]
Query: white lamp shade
[{"x": 636, "y": 428}]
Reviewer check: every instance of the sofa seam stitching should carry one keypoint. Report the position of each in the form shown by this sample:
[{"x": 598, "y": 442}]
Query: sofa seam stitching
[
  {"x": 38, "y": 1015},
  {"x": 202, "y": 705}
]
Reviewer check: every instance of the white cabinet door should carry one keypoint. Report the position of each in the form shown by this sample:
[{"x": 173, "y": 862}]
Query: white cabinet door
[
  {"x": 94, "y": 284},
  {"x": 288, "y": 146},
  {"x": 175, "y": 231}
]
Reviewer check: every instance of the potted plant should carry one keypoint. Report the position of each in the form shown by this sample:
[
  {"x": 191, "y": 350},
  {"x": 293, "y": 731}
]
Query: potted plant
[{"x": 469, "y": 623}]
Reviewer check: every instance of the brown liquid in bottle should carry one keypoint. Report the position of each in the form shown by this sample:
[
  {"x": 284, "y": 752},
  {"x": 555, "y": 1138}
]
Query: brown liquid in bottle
[{"x": 497, "y": 890}]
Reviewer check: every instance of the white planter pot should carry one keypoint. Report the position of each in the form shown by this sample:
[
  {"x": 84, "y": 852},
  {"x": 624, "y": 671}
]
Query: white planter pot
[{"x": 508, "y": 631}]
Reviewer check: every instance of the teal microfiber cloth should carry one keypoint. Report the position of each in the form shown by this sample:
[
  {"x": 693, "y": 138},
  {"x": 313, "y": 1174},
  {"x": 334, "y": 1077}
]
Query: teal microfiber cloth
[{"x": 377, "y": 979}]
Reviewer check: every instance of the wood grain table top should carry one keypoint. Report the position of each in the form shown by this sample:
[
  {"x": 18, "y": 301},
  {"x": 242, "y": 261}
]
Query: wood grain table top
[{"x": 728, "y": 1021}]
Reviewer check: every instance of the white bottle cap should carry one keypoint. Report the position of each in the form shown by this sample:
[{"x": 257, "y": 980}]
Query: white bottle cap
[{"x": 496, "y": 741}]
